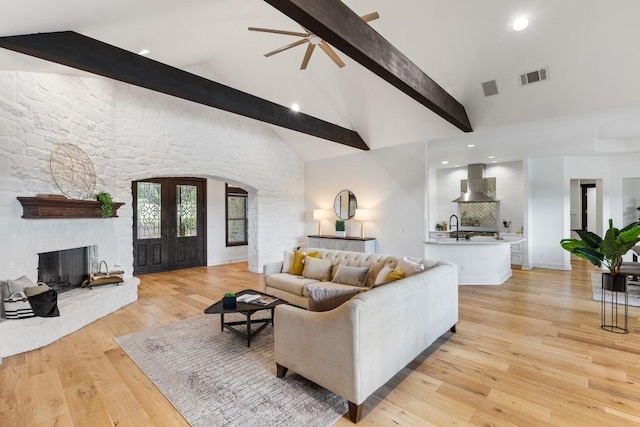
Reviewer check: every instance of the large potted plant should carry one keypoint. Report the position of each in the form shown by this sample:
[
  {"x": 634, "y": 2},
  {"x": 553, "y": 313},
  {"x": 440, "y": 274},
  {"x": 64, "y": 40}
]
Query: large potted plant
[{"x": 608, "y": 251}]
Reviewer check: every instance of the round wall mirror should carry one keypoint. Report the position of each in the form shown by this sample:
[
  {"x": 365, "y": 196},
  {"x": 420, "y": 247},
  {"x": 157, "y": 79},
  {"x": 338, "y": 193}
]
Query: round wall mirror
[{"x": 345, "y": 204}]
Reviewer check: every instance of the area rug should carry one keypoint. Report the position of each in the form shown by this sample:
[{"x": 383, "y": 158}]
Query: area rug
[
  {"x": 596, "y": 291},
  {"x": 214, "y": 379}
]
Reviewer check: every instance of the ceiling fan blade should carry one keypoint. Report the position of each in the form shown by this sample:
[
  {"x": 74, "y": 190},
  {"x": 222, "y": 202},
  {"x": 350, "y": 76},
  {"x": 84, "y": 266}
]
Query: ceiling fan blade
[
  {"x": 370, "y": 16},
  {"x": 307, "y": 56},
  {"x": 289, "y": 46},
  {"x": 327, "y": 49},
  {"x": 287, "y": 33}
]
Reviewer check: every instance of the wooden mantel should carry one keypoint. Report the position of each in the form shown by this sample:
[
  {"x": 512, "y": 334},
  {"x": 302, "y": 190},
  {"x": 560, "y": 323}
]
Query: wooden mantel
[{"x": 61, "y": 207}]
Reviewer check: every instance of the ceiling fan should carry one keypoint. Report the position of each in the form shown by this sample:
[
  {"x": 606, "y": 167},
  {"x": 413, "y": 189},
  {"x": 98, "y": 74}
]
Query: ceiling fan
[{"x": 312, "y": 39}]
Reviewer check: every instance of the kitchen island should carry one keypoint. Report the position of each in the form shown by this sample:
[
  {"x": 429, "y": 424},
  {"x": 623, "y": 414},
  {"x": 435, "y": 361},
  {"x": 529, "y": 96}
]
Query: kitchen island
[{"x": 482, "y": 260}]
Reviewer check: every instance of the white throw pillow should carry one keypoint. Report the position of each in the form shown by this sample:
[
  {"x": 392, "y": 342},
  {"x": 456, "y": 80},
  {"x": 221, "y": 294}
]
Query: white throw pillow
[
  {"x": 409, "y": 267},
  {"x": 19, "y": 284},
  {"x": 286, "y": 263}
]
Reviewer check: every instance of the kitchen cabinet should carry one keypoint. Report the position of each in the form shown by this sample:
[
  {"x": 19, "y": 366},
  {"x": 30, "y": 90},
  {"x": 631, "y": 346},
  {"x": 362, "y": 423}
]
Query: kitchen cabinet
[{"x": 517, "y": 248}]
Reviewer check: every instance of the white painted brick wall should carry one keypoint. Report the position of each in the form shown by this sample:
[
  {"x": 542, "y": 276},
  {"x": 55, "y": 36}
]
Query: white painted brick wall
[{"x": 132, "y": 133}]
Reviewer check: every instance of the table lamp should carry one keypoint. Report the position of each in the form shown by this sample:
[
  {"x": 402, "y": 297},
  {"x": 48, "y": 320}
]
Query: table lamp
[
  {"x": 361, "y": 215},
  {"x": 319, "y": 215}
]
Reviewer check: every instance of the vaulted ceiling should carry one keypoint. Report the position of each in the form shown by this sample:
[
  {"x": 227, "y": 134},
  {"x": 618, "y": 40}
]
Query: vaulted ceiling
[{"x": 589, "y": 105}]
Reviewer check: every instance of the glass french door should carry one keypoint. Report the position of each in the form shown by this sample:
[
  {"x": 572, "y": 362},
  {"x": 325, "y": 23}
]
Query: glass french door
[{"x": 169, "y": 224}]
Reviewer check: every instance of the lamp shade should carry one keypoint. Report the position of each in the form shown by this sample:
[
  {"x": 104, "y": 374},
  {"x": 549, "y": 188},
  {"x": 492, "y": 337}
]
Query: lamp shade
[
  {"x": 361, "y": 215},
  {"x": 319, "y": 214}
]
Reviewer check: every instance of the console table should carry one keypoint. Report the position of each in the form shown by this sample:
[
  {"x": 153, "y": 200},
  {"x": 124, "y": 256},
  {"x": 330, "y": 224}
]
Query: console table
[{"x": 353, "y": 244}]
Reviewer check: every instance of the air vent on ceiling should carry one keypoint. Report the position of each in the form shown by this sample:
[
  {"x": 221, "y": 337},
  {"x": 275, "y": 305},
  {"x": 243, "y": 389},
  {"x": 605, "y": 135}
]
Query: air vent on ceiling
[
  {"x": 534, "y": 76},
  {"x": 490, "y": 88}
]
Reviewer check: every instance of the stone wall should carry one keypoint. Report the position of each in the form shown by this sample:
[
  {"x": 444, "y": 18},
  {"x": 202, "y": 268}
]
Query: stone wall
[{"x": 132, "y": 133}]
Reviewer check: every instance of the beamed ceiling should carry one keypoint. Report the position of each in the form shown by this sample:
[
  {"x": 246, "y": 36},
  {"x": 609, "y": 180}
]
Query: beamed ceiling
[{"x": 406, "y": 78}]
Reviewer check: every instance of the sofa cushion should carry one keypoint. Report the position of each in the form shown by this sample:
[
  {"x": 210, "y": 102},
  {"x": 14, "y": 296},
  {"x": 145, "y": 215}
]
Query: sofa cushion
[
  {"x": 286, "y": 282},
  {"x": 322, "y": 298},
  {"x": 316, "y": 268},
  {"x": 353, "y": 276},
  {"x": 410, "y": 267}
]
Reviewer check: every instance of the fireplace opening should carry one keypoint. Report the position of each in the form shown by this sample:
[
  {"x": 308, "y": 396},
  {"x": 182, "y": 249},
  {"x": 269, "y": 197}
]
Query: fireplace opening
[{"x": 64, "y": 270}]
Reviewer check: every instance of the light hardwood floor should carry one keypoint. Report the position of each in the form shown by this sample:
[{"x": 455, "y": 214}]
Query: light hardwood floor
[{"x": 527, "y": 353}]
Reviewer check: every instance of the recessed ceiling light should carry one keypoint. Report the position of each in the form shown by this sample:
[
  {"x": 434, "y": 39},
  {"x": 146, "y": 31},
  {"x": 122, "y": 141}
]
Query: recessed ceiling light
[
  {"x": 445, "y": 162},
  {"x": 144, "y": 52},
  {"x": 471, "y": 145},
  {"x": 492, "y": 157},
  {"x": 495, "y": 161},
  {"x": 520, "y": 23},
  {"x": 295, "y": 107}
]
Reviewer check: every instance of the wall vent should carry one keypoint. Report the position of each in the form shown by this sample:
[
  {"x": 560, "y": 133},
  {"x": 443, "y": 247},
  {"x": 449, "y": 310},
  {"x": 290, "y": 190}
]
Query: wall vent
[
  {"x": 490, "y": 88},
  {"x": 534, "y": 76}
]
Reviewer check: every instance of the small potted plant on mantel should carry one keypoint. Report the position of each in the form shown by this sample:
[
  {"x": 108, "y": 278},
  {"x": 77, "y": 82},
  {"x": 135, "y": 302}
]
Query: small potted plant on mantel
[
  {"x": 106, "y": 202},
  {"x": 340, "y": 228},
  {"x": 608, "y": 251}
]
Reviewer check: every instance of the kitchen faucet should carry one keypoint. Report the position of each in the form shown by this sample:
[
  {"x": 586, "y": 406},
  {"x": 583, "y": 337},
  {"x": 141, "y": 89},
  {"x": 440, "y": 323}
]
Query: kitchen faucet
[{"x": 457, "y": 226}]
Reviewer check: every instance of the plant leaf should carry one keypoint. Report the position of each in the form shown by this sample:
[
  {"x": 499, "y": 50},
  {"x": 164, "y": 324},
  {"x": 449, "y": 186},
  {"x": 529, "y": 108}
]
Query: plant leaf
[
  {"x": 594, "y": 257},
  {"x": 591, "y": 239}
]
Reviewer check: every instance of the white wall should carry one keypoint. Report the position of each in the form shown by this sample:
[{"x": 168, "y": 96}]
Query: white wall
[
  {"x": 217, "y": 250},
  {"x": 630, "y": 199},
  {"x": 388, "y": 181},
  {"x": 547, "y": 222},
  {"x": 551, "y": 203},
  {"x": 130, "y": 134}
]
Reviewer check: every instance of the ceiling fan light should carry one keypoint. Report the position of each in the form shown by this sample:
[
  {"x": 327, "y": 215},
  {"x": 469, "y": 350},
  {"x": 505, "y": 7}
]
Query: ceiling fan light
[{"x": 520, "y": 23}]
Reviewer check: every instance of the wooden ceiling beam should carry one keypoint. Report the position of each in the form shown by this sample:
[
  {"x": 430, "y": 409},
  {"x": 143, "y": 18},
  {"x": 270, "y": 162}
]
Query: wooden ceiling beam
[
  {"x": 334, "y": 22},
  {"x": 84, "y": 53}
]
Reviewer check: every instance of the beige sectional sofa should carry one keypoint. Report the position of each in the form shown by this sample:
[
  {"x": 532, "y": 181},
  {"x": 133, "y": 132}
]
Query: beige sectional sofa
[{"x": 358, "y": 346}]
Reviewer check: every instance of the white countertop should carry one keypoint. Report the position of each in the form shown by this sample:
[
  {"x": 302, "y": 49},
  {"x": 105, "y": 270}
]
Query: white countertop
[{"x": 475, "y": 240}]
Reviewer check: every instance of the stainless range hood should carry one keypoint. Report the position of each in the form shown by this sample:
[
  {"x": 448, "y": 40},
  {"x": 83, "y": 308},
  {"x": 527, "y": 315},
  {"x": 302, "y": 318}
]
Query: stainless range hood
[{"x": 475, "y": 186}]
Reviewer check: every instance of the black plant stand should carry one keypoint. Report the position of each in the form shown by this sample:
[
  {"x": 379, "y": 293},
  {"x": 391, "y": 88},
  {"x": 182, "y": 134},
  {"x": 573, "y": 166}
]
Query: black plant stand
[{"x": 609, "y": 312}]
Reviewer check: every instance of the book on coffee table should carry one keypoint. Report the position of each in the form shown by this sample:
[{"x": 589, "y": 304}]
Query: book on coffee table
[
  {"x": 257, "y": 299},
  {"x": 248, "y": 297}
]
